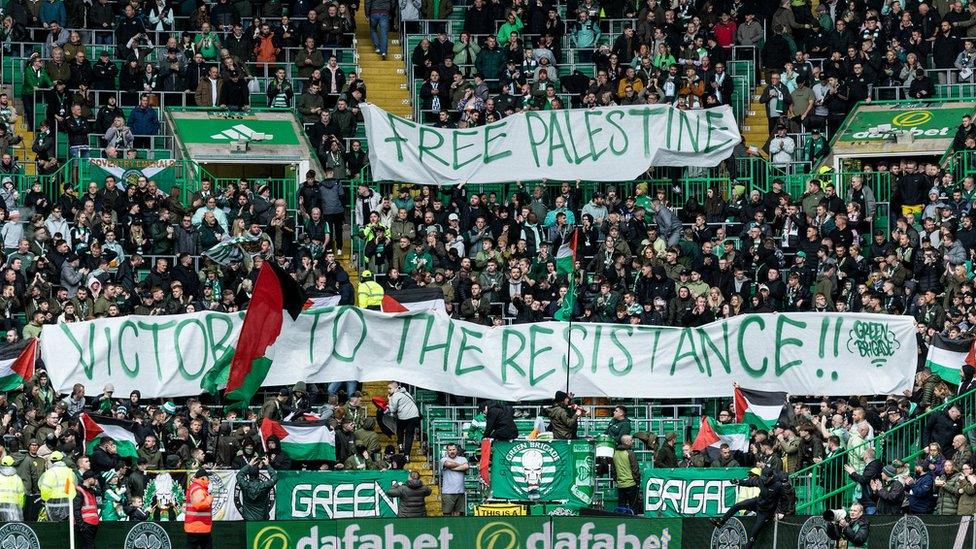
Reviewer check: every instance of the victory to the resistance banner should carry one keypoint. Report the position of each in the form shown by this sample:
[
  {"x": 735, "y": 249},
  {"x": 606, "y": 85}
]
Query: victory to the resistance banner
[
  {"x": 600, "y": 144},
  {"x": 536, "y": 470},
  {"x": 800, "y": 353},
  {"x": 335, "y": 495},
  {"x": 691, "y": 491}
]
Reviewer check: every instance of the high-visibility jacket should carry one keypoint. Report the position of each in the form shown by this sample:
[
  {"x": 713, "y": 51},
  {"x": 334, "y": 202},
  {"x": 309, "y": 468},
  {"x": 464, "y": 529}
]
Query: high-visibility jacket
[
  {"x": 53, "y": 481},
  {"x": 89, "y": 507},
  {"x": 199, "y": 513},
  {"x": 11, "y": 488},
  {"x": 369, "y": 294}
]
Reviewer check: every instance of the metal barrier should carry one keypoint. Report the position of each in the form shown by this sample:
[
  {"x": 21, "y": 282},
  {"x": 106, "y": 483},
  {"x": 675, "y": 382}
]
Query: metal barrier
[{"x": 826, "y": 484}]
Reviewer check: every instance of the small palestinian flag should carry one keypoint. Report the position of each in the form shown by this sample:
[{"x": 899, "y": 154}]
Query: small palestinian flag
[
  {"x": 761, "y": 409},
  {"x": 121, "y": 431},
  {"x": 275, "y": 305},
  {"x": 712, "y": 434},
  {"x": 566, "y": 264},
  {"x": 302, "y": 440},
  {"x": 322, "y": 302},
  {"x": 414, "y": 299},
  {"x": 947, "y": 356},
  {"x": 17, "y": 363}
]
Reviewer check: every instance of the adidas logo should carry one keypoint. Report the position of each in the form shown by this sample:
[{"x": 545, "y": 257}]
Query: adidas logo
[{"x": 241, "y": 131}]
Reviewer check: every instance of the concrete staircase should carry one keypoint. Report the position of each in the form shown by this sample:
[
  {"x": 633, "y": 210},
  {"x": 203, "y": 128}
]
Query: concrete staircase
[
  {"x": 418, "y": 459},
  {"x": 755, "y": 128},
  {"x": 386, "y": 81}
]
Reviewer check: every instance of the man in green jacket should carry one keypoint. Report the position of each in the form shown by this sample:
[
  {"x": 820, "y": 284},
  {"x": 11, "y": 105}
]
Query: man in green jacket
[
  {"x": 620, "y": 424},
  {"x": 34, "y": 77},
  {"x": 256, "y": 491},
  {"x": 627, "y": 472}
]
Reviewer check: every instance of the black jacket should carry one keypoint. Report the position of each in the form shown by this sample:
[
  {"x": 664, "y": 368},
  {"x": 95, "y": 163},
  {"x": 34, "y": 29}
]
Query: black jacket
[
  {"x": 500, "y": 422},
  {"x": 412, "y": 495}
]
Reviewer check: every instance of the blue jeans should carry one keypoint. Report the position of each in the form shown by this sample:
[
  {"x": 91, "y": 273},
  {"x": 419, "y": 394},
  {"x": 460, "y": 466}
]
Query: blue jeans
[
  {"x": 335, "y": 385},
  {"x": 379, "y": 28}
]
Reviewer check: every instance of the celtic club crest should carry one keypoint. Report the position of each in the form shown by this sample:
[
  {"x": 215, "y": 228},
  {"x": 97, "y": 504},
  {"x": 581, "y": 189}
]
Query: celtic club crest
[
  {"x": 732, "y": 535},
  {"x": 533, "y": 468}
]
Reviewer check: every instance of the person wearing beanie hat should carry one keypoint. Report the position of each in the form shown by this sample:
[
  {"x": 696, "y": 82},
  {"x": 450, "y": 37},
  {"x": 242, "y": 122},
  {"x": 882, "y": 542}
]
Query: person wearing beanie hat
[
  {"x": 889, "y": 490},
  {"x": 198, "y": 523},
  {"x": 369, "y": 294},
  {"x": 562, "y": 416}
]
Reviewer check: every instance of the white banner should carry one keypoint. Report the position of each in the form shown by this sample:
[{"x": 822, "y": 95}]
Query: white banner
[
  {"x": 801, "y": 353},
  {"x": 600, "y": 144}
]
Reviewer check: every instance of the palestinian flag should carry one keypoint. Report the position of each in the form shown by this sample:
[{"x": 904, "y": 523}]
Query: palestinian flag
[
  {"x": 275, "y": 305},
  {"x": 321, "y": 302},
  {"x": 121, "y": 431},
  {"x": 17, "y": 363},
  {"x": 712, "y": 434},
  {"x": 414, "y": 299},
  {"x": 302, "y": 440},
  {"x": 566, "y": 252},
  {"x": 946, "y": 357},
  {"x": 566, "y": 264},
  {"x": 761, "y": 409}
]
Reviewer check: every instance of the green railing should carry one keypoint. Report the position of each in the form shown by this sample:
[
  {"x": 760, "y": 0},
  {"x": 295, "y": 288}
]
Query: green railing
[{"x": 826, "y": 485}]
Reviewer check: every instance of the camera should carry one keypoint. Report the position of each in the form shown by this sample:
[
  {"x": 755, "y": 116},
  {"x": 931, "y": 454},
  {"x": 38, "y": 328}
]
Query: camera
[{"x": 834, "y": 515}]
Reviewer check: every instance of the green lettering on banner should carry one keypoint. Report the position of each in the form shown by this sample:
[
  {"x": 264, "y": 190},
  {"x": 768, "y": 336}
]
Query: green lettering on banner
[
  {"x": 781, "y": 342},
  {"x": 535, "y": 141},
  {"x": 629, "y": 363},
  {"x": 749, "y": 320},
  {"x": 335, "y": 495},
  {"x": 520, "y": 361},
  {"x": 508, "y": 357},
  {"x": 398, "y": 139},
  {"x": 690, "y": 491},
  {"x": 534, "y": 353},
  {"x": 622, "y": 149},
  {"x": 457, "y": 164},
  {"x": 179, "y": 351},
  {"x": 573, "y": 346},
  {"x": 489, "y": 158},
  {"x": 557, "y": 144},
  {"x": 590, "y": 134},
  {"x": 465, "y": 333},
  {"x": 443, "y": 347},
  {"x": 89, "y": 365},
  {"x": 429, "y": 150},
  {"x": 645, "y": 115},
  {"x": 154, "y": 328},
  {"x": 345, "y": 334}
]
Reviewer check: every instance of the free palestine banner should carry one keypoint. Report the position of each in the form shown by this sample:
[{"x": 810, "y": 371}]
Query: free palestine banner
[
  {"x": 800, "y": 353},
  {"x": 600, "y": 144}
]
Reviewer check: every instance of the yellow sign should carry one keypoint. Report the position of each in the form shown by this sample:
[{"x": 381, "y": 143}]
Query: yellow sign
[
  {"x": 500, "y": 510},
  {"x": 911, "y": 119}
]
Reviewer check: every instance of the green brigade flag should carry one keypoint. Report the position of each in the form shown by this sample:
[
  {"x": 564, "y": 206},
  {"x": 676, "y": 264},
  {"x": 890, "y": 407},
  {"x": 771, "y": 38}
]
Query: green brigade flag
[
  {"x": 600, "y": 144},
  {"x": 761, "y": 409},
  {"x": 690, "y": 491},
  {"x": 947, "y": 356},
  {"x": 534, "y": 470},
  {"x": 712, "y": 434},
  {"x": 275, "y": 305},
  {"x": 566, "y": 264},
  {"x": 121, "y": 431}
]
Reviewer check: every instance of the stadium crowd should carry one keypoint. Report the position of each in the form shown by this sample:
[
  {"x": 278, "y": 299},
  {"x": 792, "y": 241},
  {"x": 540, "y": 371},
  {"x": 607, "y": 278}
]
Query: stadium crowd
[{"x": 640, "y": 260}]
